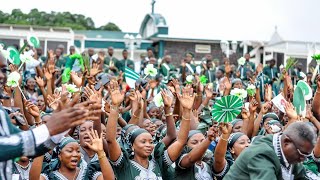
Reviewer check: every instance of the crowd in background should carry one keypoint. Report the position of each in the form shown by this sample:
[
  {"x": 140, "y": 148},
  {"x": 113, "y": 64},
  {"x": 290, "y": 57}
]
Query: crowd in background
[{"x": 93, "y": 125}]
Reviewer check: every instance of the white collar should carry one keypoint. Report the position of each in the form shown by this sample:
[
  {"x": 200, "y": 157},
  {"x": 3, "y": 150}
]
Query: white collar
[{"x": 284, "y": 157}]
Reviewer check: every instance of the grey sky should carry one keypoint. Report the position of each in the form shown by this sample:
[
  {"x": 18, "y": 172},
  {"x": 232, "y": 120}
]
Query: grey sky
[{"x": 211, "y": 19}]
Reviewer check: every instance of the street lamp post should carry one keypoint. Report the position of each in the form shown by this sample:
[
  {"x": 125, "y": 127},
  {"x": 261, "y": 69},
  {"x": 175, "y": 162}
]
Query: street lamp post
[
  {"x": 132, "y": 43},
  {"x": 225, "y": 47}
]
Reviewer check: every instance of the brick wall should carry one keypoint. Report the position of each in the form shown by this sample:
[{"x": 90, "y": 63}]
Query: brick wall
[{"x": 178, "y": 49}]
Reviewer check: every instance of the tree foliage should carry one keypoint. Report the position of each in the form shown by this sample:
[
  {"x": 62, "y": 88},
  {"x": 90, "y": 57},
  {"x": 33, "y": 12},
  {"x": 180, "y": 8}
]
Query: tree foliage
[
  {"x": 110, "y": 27},
  {"x": 55, "y": 19}
]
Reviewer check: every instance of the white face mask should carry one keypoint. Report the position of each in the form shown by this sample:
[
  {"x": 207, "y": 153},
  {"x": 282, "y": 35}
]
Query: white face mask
[{"x": 275, "y": 128}]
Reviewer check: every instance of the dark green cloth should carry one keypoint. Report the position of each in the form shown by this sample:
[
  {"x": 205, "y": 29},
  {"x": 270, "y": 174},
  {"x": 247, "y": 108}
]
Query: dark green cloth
[
  {"x": 271, "y": 74},
  {"x": 159, "y": 166},
  {"x": 123, "y": 63},
  {"x": 211, "y": 75},
  {"x": 93, "y": 170},
  {"x": 262, "y": 79},
  {"x": 311, "y": 165},
  {"x": 61, "y": 62},
  {"x": 250, "y": 65},
  {"x": 106, "y": 64},
  {"x": 187, "y": 70},
  {"x": 167, "y": 70},
  {"x": 260, "y": 162},
  {"x": 189, "y": 173}
]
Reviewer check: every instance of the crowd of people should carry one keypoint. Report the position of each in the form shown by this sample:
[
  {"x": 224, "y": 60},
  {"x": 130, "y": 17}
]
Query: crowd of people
[{"x": 68, "y": 119}]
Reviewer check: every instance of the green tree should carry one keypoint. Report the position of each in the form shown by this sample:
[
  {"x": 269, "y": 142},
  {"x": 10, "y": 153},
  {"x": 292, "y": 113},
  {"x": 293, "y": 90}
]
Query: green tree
[
  {"x": 55, "y": 19},
  {"x": 110, "y": 27}
]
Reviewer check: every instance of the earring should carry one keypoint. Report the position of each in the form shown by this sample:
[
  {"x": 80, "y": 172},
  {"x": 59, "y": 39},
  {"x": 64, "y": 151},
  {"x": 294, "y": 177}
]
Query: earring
[{"x": 132, "y": 153}]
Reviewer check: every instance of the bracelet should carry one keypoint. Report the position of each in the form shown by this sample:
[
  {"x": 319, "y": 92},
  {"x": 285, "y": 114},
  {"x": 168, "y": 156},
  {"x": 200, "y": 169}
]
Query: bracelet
[
  {"x": 223, "y": 139},
  {"x": 183, "y": 118},
  {"x": 115, "y": 108},
  {"x": 170, "y": 114},
  {"x": 102, "y": 156}
]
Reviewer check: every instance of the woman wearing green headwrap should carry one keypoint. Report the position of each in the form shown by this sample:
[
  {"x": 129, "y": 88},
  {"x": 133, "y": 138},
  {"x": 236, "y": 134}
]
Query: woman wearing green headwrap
[
  {"x": 147, "y": 160},
  {"x": 67, "y": 165},
  {"x": 190, "y": 165},
  {"x": 235, "y": 143}
]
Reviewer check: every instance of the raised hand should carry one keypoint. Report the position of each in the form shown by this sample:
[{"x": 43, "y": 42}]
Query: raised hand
[
  {"x": 95, "y": 69},
  {"x": 227, "y": 83},
  {"x": 47, "y": 73},
  {"x": 245, "y": 113},
  {"x": 265, "y": 107},
  {"x": 76, "y": 79},
  {"x": 96, "y": 141},
  {"x": 212, "y": 133},
  {"x": 290, "y": 111},
  {"x": 253, "y": 106},
  {"x": 267, "y": 92},
  {"x": 51, "y": 65},
  {"x": 116, "y": 96},
  {"x": 208, "y": 92},
  {"x": 195, "y": 115},
  {"x": 93, "y": 107},
  {"x": 171, "y": 88},
  {"x": 40, "y": 81},
  {"x": 32, "y": 109},
  {"x": 167, "y": 100},
  {"x": 176, "y": 85},
  {"x": 309, "y": 114},
  {"x": 227, "y": 67},
  {"x": 13, "y": 67},
  {"x": 92, "y": 94},
  {"x": 66, "y": 119},
  {"x": 53, "y": 102},
  {"x": 187, "y": 97},
  {"x": 136, "y": 97},
  {"x": 225, "y": 128}
]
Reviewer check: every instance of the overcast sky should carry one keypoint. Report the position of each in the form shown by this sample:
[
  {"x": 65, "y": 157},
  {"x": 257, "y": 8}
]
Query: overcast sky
[{"x": 210, "y": 19}]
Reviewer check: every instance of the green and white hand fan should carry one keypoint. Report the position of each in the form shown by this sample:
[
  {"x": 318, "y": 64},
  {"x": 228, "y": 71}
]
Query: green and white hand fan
[
  {"x": 299, "y": 101},
  {"x": 306, "y": 89},
  {"x": 14, "y": 55},
  {"x": 33, "y": 41},
  {"x": 227, "y": 108}
]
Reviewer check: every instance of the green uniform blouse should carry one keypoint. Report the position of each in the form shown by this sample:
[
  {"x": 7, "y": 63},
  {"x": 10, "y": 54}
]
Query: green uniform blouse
[{"x": 159, "y": 166}]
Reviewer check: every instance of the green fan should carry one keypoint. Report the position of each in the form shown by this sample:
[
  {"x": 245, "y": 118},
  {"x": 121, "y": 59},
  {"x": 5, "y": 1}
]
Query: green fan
[
  {"x": 33, "y": 41},
  {"x": 299, "y": 101},
  {"x": 14, "y": 56},
  {"x": 227, "y": 108},
  {"x": 306, "y": 89}
]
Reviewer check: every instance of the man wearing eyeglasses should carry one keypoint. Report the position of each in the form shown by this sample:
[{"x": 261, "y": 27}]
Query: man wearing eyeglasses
[{"x": 277, "y": 156}]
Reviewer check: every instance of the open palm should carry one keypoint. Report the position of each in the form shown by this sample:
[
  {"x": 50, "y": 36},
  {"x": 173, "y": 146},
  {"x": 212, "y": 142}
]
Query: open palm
[
  {"x": 96, "y": 141},
  {"x": 116, "y": 96},
  {"x": 187, "y": 97}
]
